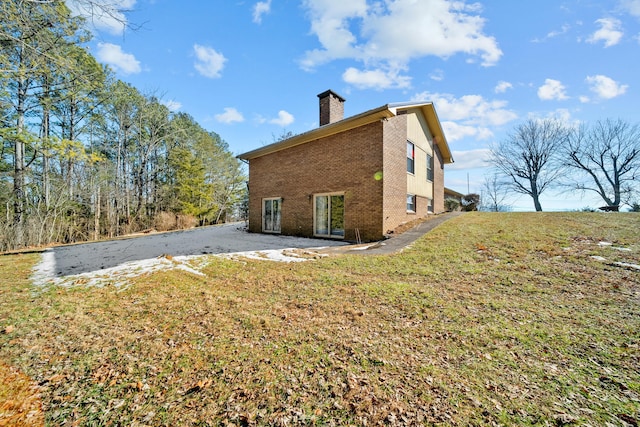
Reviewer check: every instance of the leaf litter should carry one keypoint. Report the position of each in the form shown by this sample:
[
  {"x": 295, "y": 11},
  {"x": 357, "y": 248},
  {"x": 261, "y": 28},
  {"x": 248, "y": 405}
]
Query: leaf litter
[{"x": 440, "y": 334}]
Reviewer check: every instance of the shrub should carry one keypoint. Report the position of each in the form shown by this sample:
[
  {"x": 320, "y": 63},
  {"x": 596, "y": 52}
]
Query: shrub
[
  {"x": 165, "y": 221},
  {"x": 470, "y": 202},
  {"x": 451, "y": 205},
  {"x": 186, "y": 221}
]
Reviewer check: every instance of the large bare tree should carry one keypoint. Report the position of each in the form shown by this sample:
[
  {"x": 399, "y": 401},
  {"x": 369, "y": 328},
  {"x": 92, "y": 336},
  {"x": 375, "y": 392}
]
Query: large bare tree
[
  {"x": 606, "y": 156},
  {"x": 527, "y": 157}
]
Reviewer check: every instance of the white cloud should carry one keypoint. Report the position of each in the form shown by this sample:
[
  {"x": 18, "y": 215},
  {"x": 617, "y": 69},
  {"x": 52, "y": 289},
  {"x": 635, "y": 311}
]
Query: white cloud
[
  {"x": 455, "y": 131},
  {"x": 605, "y": 87},
  {"x": 563, "y": 30},
  {"x": 502, "y": 87},
  {"x": 389, "y": 35},
  {"x": 631, "y": 6},
  {"x": 261, "y": 8},
  {"x": 472, "y": 109},
  {"x": 563, "y": 115},
  {"x": 375, "y": 79},
  {"x": 609, "y": 32},
  {"x": 469, "y": 115},
  {"x": 553, "y": 34},
  {"x": 103, "y": 16},
  {"x": 470, "y": 159},
  {"x": 172, "y": 105},
  {"x": 284, "y": 119},
  {"x": 230, "y": 115},
  {"x": 437, "y": 75},
  {"x": 113, "y": 55},
  {"x": 209, "y": 62},
  {"x": 552, "y": 90}
]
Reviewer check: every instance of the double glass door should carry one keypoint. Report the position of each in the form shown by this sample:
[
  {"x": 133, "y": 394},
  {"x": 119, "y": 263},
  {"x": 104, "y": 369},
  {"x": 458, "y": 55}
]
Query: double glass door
[{"x": 271, "y": 215}]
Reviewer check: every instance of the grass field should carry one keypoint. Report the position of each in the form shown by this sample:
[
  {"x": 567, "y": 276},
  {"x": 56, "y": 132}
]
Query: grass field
[{"x": 490, "y": 319}]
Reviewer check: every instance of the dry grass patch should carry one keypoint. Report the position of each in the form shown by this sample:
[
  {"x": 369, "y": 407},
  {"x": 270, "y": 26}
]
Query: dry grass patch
[{"x": 490, "y": 319}]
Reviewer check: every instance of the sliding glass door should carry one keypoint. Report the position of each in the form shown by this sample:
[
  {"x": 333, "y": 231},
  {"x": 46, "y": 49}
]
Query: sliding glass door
[{"x": 329, "y": 215}]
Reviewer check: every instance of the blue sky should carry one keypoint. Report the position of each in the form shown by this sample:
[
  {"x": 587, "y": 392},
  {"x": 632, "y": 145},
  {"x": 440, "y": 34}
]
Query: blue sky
[{"x": 251, "y": 70}]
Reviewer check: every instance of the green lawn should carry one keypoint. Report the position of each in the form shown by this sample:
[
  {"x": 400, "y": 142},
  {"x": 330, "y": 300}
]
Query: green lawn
[{"x": 490, "y": 319}]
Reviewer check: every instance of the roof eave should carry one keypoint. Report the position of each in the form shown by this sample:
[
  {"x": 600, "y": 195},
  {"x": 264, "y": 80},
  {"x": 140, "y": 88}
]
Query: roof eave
[
  {"x": 433, "y": 122},
  {"x": 438, "y": 133},
  {"x": 384, "y": 112},
  {"x": 321, "y": 132}
]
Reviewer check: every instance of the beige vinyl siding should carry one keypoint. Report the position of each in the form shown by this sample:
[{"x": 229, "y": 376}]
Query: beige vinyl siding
[{"x": 418, "y": 133}]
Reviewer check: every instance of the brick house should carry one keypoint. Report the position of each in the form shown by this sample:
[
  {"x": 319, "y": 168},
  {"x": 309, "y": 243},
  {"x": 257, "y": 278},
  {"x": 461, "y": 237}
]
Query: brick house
[{"x": 354, "y": 179}]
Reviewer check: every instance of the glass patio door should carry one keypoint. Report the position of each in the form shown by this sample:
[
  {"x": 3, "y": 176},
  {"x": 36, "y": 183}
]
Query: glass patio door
[
  {"x": 329, "y": 215},
  {"x": 271, "y": 215}
]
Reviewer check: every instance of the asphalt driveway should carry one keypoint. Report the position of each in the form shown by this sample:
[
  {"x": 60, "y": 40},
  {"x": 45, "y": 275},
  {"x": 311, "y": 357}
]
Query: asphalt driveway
[{"x": 220, "y": 239}]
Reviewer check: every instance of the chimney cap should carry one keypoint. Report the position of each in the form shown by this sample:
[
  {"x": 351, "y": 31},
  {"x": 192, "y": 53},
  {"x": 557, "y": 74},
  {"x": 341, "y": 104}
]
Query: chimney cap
[{"x": 330, "y": 92}]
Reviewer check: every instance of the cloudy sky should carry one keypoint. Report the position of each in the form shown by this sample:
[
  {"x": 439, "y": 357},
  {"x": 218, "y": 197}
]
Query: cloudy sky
[{"x": 251, "y": 70}]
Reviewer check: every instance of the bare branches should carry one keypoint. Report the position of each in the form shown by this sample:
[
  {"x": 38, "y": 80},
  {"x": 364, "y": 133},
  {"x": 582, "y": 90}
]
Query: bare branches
[
  {"x": 606, "y": 157},
  {"x": 495, "y": 192},
  {"x": 103, "y": 14},
  {"x": 528, "y": 157},
  {"x": 602, "y": 158}
]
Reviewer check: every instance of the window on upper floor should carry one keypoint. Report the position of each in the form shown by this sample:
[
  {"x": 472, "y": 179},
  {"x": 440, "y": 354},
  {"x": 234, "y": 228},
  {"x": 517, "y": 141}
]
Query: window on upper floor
[
  {"x": 411, "y": 157},
  {"x": 429, "y": 167}
]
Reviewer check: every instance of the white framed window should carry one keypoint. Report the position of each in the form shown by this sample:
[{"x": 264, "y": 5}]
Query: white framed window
[
  {"x": 271, "y": 215},
  {"x": 411, "y": 157},
  {"x": 429, "y": 167},
  {"x": 328, "y": 215},
  {"x": 411, "y": 203},
  {"x": 430, "y": 205}
]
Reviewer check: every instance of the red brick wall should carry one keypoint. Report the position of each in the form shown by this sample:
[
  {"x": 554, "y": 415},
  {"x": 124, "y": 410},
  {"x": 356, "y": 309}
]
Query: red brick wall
[
  {"x": 341, "y": 163},
  {"x": 395, "y": 173},
  {"x": 346, "y": 163},
  {"x": 331, "y": 108},
  {"x": 438, "y": 181},
  {"x": 395, "y": 177}
]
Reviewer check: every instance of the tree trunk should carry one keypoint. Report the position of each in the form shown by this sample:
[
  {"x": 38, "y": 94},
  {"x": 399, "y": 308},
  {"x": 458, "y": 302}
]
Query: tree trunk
[
  {"x": 19, "y": 167},
  {"x": 46, "y": 114},
  {"x": 96, "y": 214},
  {"x": 536, "y": 203},
  {"x": 535, "y": 195}
]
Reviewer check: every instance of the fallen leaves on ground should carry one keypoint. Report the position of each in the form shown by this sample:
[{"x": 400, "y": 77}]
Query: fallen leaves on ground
[
  {"x": 20, "y": 403},
  {"x": 537, "y": 333}
]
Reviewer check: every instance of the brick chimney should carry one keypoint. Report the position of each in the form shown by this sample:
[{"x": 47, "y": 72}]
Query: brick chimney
[{"x": 331, "y": 107}]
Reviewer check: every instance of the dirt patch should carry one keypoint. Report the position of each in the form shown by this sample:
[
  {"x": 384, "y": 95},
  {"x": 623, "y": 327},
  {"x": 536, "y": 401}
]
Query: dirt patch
[{"x": 409, "y": 225}]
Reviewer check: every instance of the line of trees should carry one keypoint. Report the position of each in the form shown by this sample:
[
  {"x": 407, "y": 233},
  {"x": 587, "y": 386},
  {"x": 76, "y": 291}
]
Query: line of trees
[
  {"x": 84, "y": 155},
  {"x": 601, "y": 158}
]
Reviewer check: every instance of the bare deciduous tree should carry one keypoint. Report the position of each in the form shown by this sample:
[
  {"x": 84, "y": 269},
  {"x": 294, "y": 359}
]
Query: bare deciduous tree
[
  {"x": 527, "y": 157},
  {"x": 606, "y": 156},
  {"x": 494, "y": 193}
]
